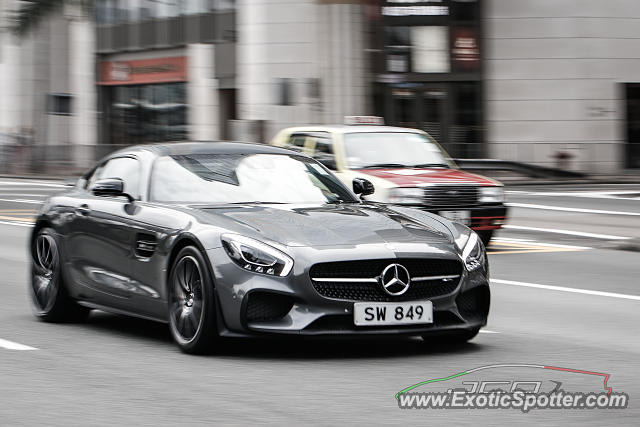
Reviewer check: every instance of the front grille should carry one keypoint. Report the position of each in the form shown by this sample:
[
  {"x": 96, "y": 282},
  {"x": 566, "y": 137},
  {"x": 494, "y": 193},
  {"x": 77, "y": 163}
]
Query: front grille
[
  {"x": 265, "y": 306},
  {"x": 372, "y": 290},
  {"x": 446, "y": 196}
]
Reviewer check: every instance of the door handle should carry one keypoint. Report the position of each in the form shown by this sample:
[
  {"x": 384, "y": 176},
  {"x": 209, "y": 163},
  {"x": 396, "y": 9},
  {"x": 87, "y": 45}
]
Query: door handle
[{"x": 83, "y": 210}]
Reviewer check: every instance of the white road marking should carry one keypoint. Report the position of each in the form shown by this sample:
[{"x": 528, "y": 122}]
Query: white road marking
[
  {"x": 617, "y": 195},
  {"x": 568, "y": 232},
  {"x": 23, "y": 195},
  {"x": 564, "y": 209},
  {"x": 31, "y": 184},
  {"x": 536, "y": 243},
  {"x": 565, "y": 289},
  {"x": 484, "y": 331},
  {"x": 10, "y": 345},
  {"x": 511, "y": 240},
  {"x": 19, "y": 224},
  {"x": 22, "y": 201}
]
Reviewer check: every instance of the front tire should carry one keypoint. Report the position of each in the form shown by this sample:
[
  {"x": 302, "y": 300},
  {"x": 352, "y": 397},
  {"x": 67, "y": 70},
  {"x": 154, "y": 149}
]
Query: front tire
[
  {"x": 49, "y": 297},
  {"x": 192, "y": 316},
  {"x": 452, "y": 338}
]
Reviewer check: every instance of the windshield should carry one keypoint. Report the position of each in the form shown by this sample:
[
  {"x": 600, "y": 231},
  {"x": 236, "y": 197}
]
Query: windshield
[
  {"x": 244, "y": 178},
  {"x": 393, "y": 149}
]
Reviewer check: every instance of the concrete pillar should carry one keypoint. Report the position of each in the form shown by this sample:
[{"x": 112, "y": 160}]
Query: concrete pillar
[{"x": 202, "y": 93}]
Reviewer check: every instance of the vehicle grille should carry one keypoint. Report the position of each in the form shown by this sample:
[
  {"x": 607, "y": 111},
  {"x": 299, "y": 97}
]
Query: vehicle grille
[
  {"x": 369, "y": 290},
  {"x": 438, "y": 196}
]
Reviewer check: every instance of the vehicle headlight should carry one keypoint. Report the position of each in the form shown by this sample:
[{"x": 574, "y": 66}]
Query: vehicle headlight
[
  {"x": 406, "y": 195},
  {"x": 491, "y": 195},
  {"x": 474, "y": 254},
  {"x": 255, "y": 256}
]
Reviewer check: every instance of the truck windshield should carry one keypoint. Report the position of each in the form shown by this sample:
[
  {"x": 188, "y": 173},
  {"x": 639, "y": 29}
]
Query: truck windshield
[{"x": 393, "y": 150}]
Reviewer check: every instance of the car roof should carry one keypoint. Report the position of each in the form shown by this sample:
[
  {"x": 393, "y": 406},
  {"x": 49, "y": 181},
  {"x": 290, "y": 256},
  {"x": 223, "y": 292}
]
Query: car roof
[
  {"x": 351, "y": 129},
  {"x": 203, "y": 147}
]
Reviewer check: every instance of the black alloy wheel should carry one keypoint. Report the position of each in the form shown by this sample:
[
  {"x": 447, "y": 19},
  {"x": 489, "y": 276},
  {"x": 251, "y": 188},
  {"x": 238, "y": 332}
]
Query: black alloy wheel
[
  {"x": 191, "y": 303},
  {"x": 49, "y": 297}
]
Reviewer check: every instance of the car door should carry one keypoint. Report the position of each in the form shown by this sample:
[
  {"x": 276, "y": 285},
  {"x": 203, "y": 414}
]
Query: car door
[{"x": 100, "y": 237}]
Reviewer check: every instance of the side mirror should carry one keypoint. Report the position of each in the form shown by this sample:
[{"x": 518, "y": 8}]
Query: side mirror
[
  {"x": 363, "y": 187},
  {"x": 112, "y": 187}
]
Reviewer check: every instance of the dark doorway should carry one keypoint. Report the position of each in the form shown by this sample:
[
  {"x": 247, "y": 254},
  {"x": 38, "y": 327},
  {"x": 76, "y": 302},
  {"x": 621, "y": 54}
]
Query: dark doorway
[
  {"x": 450, "y": 112},
  {"x": 632, "y": 158},
  {"x": 435, "y": 120}
]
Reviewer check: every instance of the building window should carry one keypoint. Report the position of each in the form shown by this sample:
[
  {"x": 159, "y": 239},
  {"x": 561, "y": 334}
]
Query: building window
[
  {"x": 59, "y": 104},
  {"x": 417, "y": 49},
  {"x": 285, "y": 91},
  {"x": 147, "y": 113},
  {"x": 465, "y": 10},
  {"x": 221, "y": 5},
  {"x": 194, "y": 7},
  {"x": 430, "y": 49}
]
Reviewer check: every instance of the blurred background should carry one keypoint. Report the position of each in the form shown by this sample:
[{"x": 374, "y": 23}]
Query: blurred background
[{"x": 547, "y": 82}]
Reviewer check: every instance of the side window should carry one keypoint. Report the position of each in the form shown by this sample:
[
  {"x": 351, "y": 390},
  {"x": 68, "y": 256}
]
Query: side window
[
  {"x": 324, "y": 145},
  {"x": 125, "y": 168},
  {"x": 296, "y": 141},
  {"x": 323, "y": 149}
]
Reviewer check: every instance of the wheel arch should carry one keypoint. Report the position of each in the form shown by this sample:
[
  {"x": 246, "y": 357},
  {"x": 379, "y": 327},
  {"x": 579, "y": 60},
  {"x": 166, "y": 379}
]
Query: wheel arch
[{"x": 180, "y": 243}]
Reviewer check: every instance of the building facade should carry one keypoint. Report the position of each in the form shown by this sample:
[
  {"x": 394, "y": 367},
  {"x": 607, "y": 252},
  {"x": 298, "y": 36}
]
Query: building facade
[
  {"x": 562, "y": 77},
  {"x": 546, "y": 82}
]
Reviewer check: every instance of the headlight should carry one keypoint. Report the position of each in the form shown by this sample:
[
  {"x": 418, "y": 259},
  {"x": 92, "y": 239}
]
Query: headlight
[
  {"x": 491, "y": 195},
  {"x": 406, "y": 195},
  {"x": 253, "y": 255},
  {"x": 473, "y": 254}
]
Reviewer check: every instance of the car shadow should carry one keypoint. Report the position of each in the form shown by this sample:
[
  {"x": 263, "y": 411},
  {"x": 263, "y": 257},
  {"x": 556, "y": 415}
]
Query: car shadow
[
  {"x": 289, "y": 347},
  {"x": 132, "y": 327}
]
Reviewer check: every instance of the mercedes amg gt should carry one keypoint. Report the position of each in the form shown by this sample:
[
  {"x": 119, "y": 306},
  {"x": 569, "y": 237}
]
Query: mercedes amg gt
[{"x": 238, "y": 240}]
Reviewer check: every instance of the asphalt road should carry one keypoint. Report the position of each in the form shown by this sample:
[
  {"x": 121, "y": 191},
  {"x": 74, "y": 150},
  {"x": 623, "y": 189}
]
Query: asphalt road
[{"x": 565, "y": 293}]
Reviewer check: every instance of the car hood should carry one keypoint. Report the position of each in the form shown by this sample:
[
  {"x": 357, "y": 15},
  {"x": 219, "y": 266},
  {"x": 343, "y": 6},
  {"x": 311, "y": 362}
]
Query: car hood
[
  {"x": 414, "y": 177},
  {"x": 329, "y": 225}
]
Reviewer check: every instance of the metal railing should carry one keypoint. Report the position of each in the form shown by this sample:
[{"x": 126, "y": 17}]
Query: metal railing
[{"x": 585, "y": 157}]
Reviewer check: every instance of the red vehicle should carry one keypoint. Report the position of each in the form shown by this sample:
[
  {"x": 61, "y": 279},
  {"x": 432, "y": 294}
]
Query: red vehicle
[{"x": 407, "y": 167}]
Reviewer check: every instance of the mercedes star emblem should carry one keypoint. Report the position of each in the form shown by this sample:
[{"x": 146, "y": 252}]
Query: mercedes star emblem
[{"x": 395, "y": 279}]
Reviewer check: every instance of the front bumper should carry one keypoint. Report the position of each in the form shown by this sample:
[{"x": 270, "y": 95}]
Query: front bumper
[
  {"x": 484, "y": 217},
  {"x": 292, "y": 306}
]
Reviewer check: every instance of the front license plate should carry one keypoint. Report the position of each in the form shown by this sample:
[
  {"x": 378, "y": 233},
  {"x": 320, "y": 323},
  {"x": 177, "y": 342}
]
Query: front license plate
[
  {"x": 463, "y": 217},
  {"x": 392, "y": 313}
]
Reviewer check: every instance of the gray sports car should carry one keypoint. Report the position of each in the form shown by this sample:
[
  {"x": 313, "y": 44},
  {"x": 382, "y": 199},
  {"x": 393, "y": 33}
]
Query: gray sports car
[{"x": 229, "y": 239}]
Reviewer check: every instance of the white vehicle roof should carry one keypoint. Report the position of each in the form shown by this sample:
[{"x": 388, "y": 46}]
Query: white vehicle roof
[{"x": 351, "y": 129}]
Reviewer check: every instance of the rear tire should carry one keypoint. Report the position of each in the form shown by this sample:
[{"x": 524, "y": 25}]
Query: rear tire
[
  {"x": 192, "y": 315},
  {"x": 49, "y": 296},
  {"x": 452, "y": 338},
  {"x": 485, "y": 236}
]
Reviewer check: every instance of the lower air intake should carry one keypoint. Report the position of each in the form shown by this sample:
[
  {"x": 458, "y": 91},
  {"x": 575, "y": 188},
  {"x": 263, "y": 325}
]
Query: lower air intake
[{"x": 265, "y": 306}]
